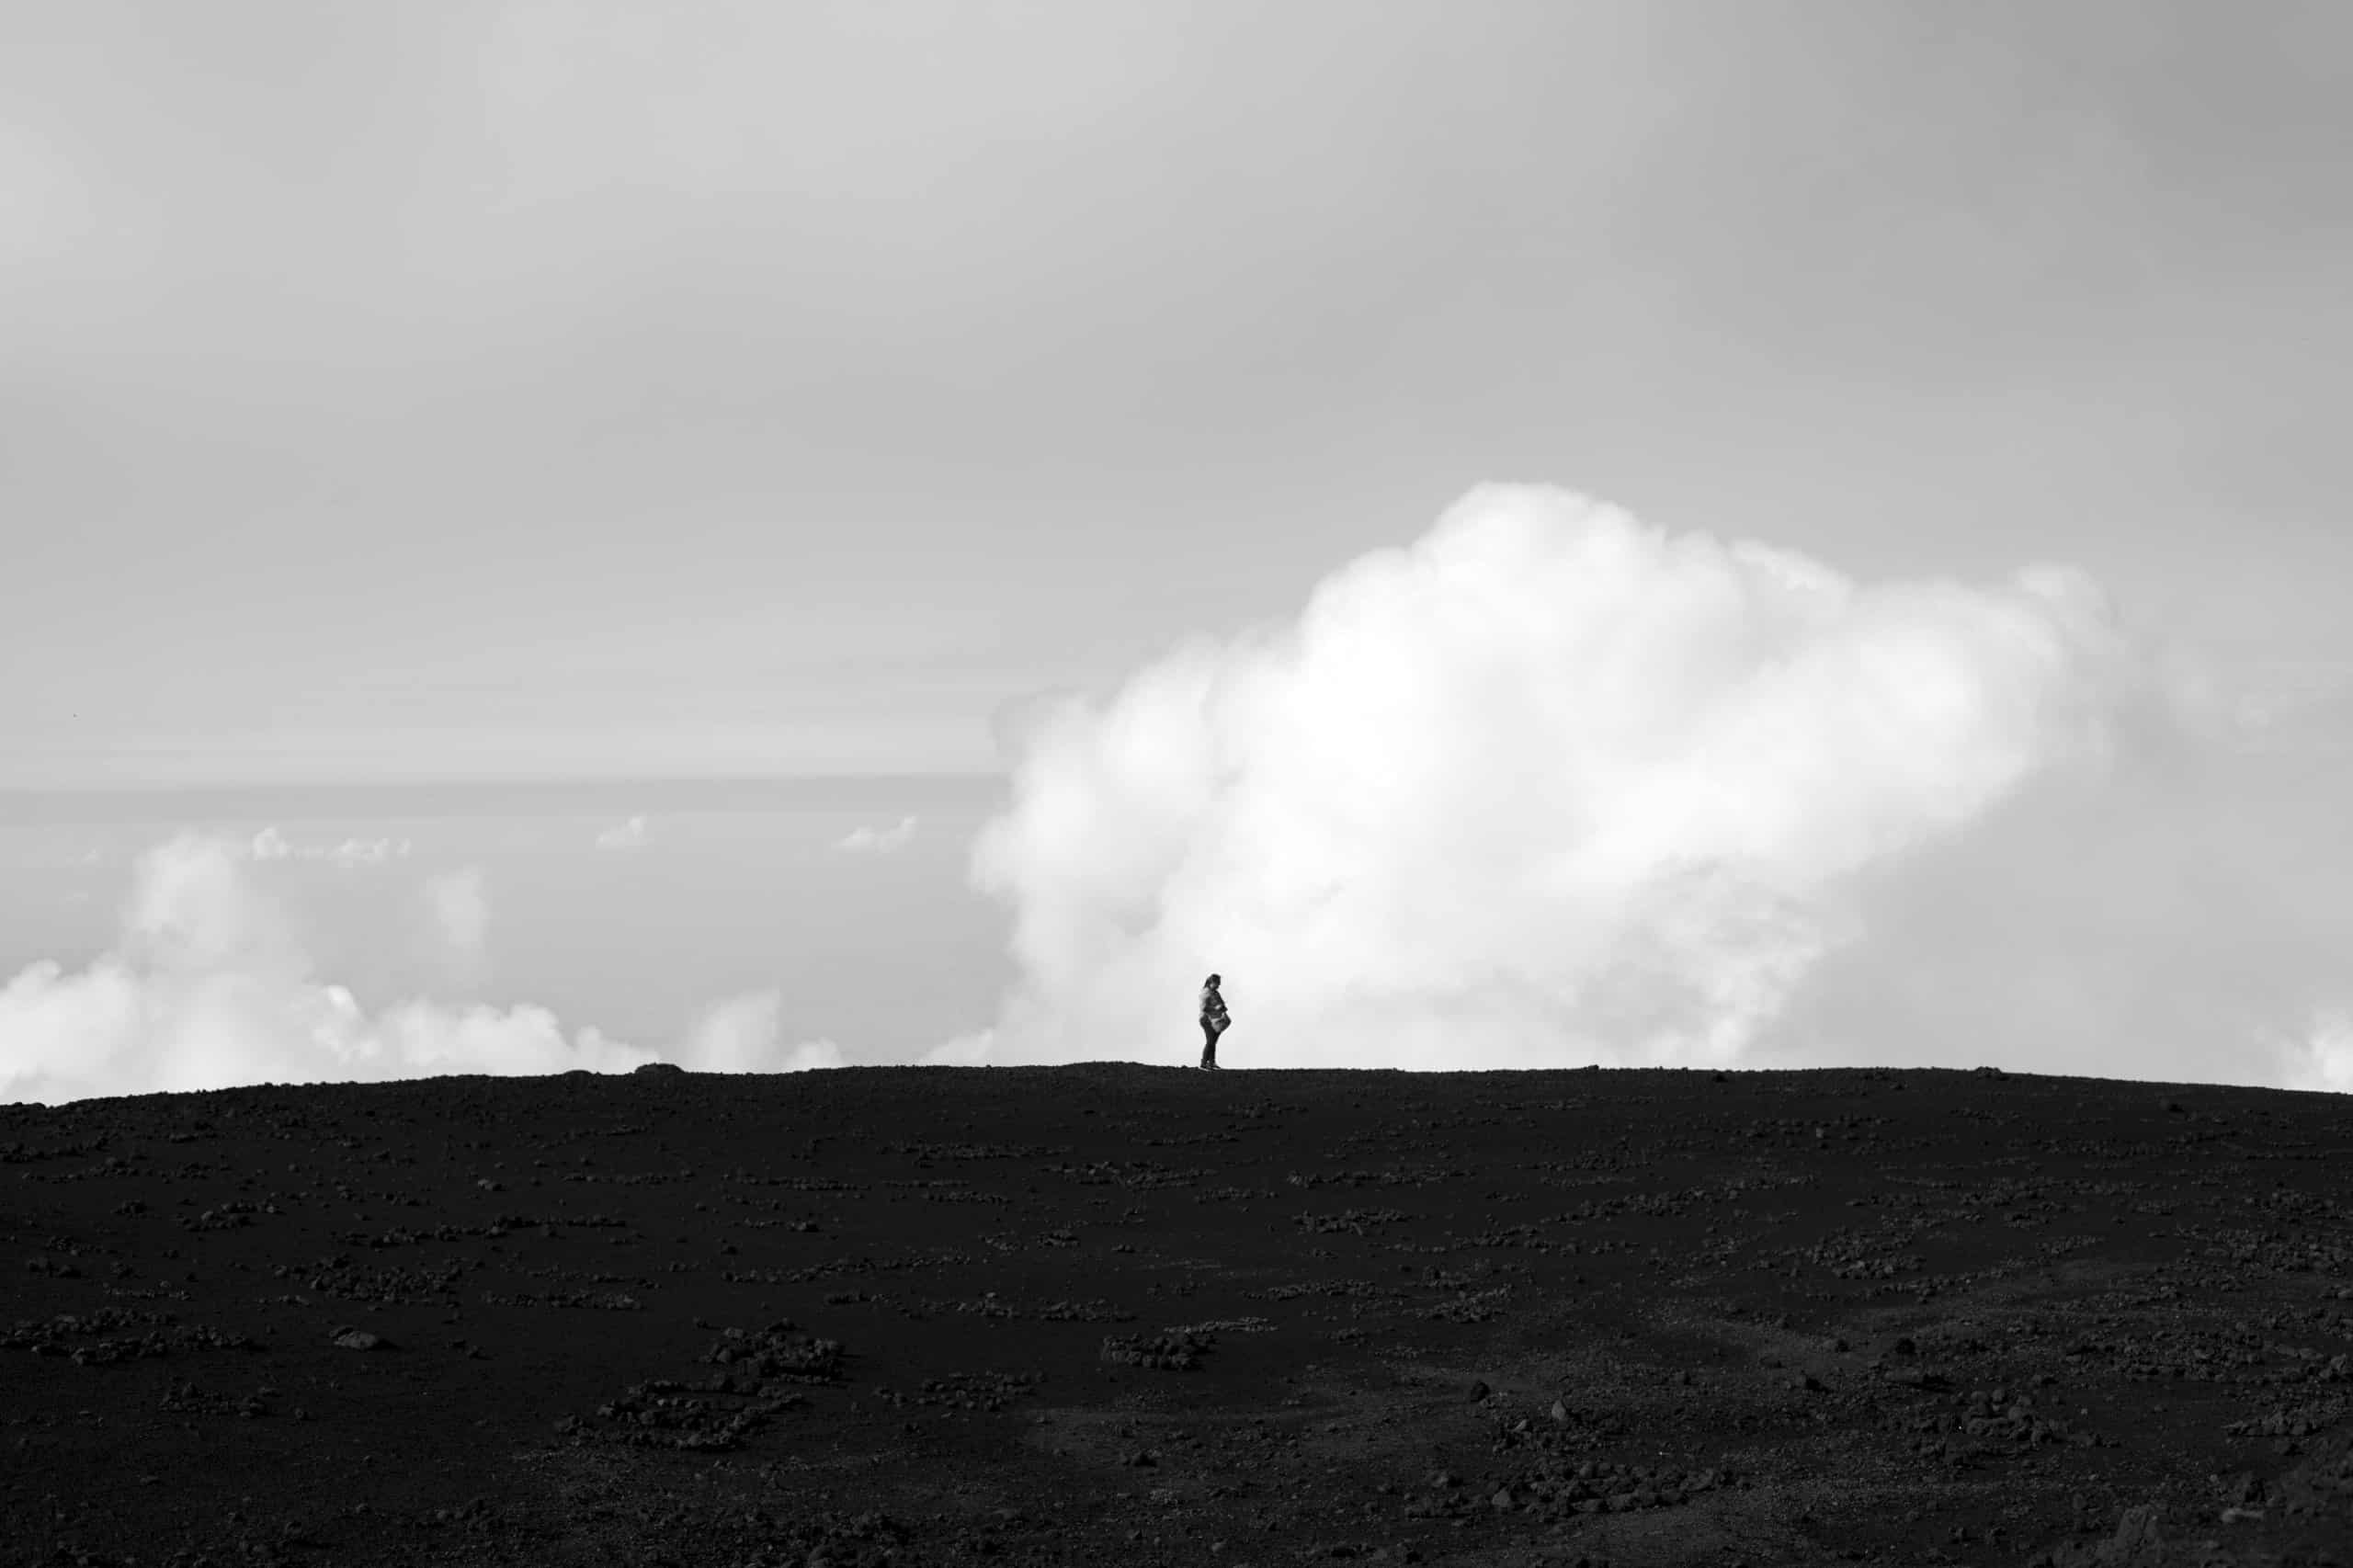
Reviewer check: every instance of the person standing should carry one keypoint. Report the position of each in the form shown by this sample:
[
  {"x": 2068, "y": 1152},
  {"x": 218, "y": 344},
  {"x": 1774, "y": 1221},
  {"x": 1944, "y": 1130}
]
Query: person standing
[{"x": 1214, "y": 1020}]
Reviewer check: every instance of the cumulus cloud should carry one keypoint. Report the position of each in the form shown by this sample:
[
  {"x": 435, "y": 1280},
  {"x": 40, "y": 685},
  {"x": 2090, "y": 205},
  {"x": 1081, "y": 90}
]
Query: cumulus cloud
[
  {"x": 629, "y": 835},
  {"x": 883, "y": 841},
  {"x": 1550, "y": 786},
  {"x": 208, "y": 985}
]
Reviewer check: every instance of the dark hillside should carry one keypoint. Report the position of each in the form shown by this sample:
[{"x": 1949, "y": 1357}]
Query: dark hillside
[{"x": 1108, "y": 1313}]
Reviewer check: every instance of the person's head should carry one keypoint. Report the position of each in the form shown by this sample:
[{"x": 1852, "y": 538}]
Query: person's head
[{"x": 1212, "y": 979}]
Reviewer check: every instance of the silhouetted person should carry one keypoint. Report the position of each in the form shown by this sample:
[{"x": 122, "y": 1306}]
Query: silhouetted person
[{"x": 1213, "y": 1021}]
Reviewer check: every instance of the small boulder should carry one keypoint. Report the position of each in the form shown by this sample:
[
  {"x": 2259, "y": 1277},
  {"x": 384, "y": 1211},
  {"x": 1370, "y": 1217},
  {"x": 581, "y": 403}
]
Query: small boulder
[{"x": 2140, "y": 1536}]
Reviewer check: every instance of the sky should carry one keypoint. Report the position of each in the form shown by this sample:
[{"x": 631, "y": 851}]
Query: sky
[{"x": 1775, "y": 532}]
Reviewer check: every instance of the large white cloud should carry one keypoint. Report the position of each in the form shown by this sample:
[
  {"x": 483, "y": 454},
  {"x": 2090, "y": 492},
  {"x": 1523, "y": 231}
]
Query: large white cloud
[
  {"x": 1552, "y": 786},
  {"x": 208, "y": 986}
]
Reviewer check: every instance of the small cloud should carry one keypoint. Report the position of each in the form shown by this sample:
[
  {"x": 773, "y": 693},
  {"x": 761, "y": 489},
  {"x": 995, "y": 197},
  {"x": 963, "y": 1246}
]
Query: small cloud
[
  {"x": 269, "y": 844},
  {"x": 867, "y": 840},
  {"x": 367, "y": 851},
  {"x": 193, "y": 908},
  {"x": 2296, "y": 706},
  {"x": 736, "y": 1035},
  {"x": 741, "y": 1035},
  {"x": 460, "y": 902},
  {"x": 964, "y": 1051},
  {"x": 2324, "y": 1057},
  {"x": 451, "y": 920},
  {"x": 629, "y": 835}
]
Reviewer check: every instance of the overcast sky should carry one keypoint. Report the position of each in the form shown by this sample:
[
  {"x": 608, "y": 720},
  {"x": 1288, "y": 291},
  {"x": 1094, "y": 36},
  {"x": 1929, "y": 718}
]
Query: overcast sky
[
  {"x": 442, "y": 390},
  {"x": 1705, "y": 534}
]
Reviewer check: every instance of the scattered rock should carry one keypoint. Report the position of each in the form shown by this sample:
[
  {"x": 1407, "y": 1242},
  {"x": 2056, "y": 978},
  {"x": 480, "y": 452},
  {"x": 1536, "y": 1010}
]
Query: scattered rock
[{"x": 1166, "y": 1352}]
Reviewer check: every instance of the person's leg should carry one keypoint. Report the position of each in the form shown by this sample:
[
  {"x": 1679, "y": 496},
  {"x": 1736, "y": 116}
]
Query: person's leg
[{"x": 1209, "y": 1044}]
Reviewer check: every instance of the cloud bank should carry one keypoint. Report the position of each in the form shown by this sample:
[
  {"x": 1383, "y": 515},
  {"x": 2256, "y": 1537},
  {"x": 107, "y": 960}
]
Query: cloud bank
[
  {"x": 1552, "y": 787},
  {"x": 210, "y": 985}
]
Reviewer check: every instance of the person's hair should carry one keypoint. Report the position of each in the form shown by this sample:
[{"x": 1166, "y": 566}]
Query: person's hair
[{"x": 1211, "y": 981}]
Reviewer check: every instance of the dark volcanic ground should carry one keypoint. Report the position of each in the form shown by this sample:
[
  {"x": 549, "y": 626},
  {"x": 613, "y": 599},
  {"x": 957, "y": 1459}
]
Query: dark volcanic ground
[{"x": 1112, "y": 1313}]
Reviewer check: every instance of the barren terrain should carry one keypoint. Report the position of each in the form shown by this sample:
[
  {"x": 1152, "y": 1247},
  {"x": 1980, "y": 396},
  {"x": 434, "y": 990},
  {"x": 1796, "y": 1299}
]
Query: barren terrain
[{"x": 1112, "y": 1313}]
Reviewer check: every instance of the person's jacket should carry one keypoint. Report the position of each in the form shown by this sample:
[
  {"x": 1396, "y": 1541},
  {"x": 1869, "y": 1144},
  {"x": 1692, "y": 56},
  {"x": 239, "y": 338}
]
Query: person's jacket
[{"x": 1212, "y": 1006}]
